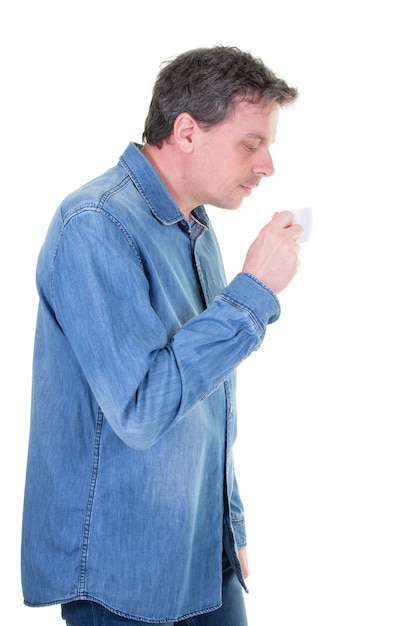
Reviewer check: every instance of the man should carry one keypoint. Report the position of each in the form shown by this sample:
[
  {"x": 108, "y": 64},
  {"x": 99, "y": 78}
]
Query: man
[{"x": 132, "y": 511}]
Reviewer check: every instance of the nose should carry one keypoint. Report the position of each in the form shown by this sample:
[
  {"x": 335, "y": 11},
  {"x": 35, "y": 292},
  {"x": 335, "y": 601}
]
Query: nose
[{"x": 265, "y": 165}]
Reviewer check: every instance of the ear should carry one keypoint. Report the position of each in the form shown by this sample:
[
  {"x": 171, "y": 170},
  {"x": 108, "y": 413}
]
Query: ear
[{"x": 184, "y": 132}]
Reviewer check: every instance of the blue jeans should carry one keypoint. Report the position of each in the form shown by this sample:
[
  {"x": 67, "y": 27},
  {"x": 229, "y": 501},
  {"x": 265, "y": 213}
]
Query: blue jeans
[{"x": 231, "y": 613}]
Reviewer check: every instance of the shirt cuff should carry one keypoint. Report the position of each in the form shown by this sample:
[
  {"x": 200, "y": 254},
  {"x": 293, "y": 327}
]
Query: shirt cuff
[{"x": 249, "y": 293}]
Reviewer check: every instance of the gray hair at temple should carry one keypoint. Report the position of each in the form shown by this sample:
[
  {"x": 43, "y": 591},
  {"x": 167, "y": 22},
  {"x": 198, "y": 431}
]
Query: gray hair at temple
[{"x": 206, "y": 83}]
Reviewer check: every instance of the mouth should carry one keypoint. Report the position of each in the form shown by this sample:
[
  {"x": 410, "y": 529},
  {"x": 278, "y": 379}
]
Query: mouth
[
  {"x": 246, "y": 190},
  {"x": 252, "y": 184}
]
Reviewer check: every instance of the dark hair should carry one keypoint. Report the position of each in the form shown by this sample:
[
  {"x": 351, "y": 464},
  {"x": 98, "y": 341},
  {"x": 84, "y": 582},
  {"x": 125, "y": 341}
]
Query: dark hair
[{"x": 206, "y": 83}]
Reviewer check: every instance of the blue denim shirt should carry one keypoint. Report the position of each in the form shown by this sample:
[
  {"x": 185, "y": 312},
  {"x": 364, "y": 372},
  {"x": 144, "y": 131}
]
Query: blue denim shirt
[{"x": 130, "y": 481}]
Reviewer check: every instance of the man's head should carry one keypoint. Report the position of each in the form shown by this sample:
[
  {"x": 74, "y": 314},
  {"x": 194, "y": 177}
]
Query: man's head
[{"x": 207, "y": 83}]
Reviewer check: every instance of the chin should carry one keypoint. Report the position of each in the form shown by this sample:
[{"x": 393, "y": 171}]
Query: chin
[
  {"x": 228, "y": 206},
  {"x": 234, "y": 203},
  {"x": 231, "y": 207}
]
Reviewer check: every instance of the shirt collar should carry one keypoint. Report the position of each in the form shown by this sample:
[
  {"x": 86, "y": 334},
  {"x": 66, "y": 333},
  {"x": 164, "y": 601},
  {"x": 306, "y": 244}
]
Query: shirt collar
[{"x": 152, "y": 189}]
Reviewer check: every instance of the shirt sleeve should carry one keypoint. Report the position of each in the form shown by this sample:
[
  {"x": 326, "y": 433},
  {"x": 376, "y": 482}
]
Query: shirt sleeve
[{"x": 143, "y": 380}]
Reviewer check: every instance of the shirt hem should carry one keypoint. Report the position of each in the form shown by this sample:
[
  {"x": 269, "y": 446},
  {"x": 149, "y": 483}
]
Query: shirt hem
[{"x": 138, "y": 618}]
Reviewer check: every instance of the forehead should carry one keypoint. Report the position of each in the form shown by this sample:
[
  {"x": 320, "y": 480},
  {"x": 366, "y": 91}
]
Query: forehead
[{"x": 256, "y": 119}]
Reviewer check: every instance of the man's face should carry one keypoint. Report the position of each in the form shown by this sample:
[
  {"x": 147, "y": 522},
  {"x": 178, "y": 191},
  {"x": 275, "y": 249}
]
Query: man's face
[{"x": 233, "y": 156}]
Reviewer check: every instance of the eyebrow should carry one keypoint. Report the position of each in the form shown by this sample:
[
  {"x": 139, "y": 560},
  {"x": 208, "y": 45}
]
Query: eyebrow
[
  {"x": 255, "y": 136},
  {"x": 258, "y": 136}
]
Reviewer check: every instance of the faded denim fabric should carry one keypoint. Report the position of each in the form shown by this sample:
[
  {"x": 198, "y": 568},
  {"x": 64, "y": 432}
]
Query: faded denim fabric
[
  {"x": 130, "y": 480},
  {"x": 231, "y": 613}
]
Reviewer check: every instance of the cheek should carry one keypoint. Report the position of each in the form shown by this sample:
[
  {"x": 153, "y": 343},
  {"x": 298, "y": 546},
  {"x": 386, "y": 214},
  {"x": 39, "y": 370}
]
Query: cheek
[
  {"x": 230, "y": 171},
  {"x": 218, "y": 175}
]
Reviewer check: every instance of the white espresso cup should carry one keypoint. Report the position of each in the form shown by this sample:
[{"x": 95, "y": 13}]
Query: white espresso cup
[{"x": 304, "y": 216}]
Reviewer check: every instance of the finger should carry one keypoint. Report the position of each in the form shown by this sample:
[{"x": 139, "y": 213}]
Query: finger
[
  {"x": 297, "y": 231},
  {"x": 283, "y": 218}
]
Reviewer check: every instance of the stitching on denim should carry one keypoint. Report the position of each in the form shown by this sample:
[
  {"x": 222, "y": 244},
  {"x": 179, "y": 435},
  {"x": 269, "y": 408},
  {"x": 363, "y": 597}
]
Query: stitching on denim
[
  {"x": 89, "y": 508},
  {"x": 171, "y": 220},
  {"x": 259, "y": 327},
  {"x": 99, "y": 207},
  {"x": 52, "y": 268},
  {"x": 232, "y": 554},
  {"x": 102, "y": 211}
]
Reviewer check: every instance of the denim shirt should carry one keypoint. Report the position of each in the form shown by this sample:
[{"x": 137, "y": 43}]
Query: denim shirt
[{"x": 130, "y": 484}]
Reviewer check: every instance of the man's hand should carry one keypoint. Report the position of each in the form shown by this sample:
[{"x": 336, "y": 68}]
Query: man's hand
[
  {"x": 243, "y": 558},
  {"x": 273, "y": 256}
]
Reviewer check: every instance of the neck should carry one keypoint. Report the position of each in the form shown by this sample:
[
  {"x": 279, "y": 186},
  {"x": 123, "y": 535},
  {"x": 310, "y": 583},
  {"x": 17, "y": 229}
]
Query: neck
[{"x": 169, "y": 167}]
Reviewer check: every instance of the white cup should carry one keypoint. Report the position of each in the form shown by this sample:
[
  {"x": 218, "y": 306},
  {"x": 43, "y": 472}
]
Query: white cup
[{"x": 304, "y": 216}]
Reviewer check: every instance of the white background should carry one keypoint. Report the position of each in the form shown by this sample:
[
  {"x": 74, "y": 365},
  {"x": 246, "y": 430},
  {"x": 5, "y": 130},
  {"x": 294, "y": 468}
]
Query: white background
[{"x": 326, "y": 453}]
